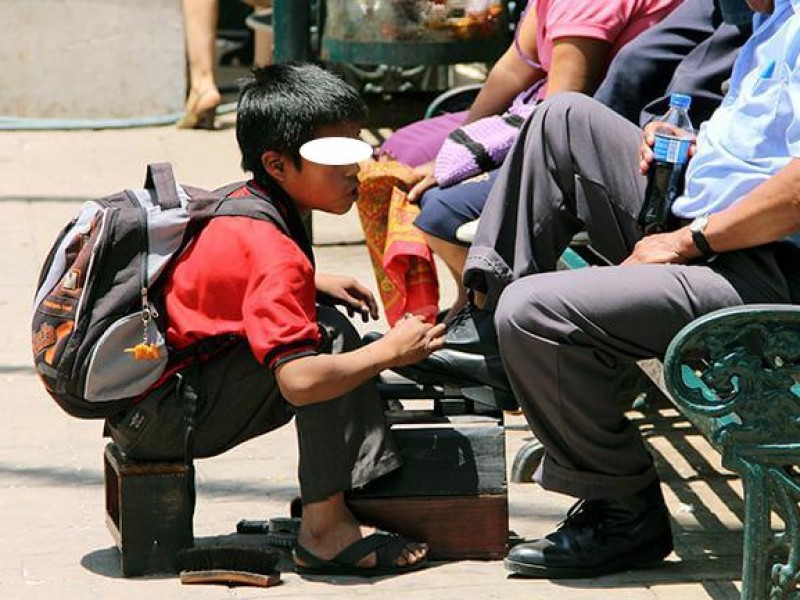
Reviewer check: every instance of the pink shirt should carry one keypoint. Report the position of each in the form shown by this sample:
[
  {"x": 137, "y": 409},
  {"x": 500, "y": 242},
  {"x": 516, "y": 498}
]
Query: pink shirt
[{"x": 613, "y": 21}]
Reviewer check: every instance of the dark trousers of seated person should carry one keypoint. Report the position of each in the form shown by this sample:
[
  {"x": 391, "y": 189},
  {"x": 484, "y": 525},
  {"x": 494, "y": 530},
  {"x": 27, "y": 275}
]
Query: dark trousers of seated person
[
  {"x": 565, "y": 335},
  {"x": 343, "y": 443}
]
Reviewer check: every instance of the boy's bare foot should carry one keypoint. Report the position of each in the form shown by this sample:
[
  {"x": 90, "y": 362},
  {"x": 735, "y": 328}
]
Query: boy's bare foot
[{"x": 328, "y": 527}]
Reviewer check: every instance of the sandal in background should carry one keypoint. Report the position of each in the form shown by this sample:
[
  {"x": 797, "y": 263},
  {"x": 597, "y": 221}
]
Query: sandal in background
[{"x": 201, "y": 110}]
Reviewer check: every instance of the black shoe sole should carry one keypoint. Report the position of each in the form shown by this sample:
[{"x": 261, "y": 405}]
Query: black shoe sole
[{"x": 652, "y": 556}]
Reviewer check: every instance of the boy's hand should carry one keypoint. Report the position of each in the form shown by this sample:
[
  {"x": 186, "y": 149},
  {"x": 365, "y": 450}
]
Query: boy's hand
[
  {"x": 348, "y": 292},
  {"x": 649, "y": 138},
  {"x": 425, "y": 181},
  {"x": 412, "y": 340}
]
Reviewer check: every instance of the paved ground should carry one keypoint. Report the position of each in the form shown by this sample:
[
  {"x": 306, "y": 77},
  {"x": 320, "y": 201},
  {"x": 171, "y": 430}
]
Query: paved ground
[{"x": 54, "y": 543}]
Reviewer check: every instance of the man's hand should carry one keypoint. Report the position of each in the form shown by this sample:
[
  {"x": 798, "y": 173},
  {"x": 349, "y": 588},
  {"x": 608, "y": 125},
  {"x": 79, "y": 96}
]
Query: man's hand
[
  {"x": 674, "y": 247},
  {"x": 649, "y": 138},
  {"x": 425, "y": 181},
  {"x": 412, "y": 339},
  {"x": 348, "y": 292}
]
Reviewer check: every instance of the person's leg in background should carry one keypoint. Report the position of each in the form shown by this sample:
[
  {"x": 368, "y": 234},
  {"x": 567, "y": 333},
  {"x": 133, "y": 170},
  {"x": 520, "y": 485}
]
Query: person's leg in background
[
  {"x": 200, "y": 21},
  {"x": 264, "y": 36}
]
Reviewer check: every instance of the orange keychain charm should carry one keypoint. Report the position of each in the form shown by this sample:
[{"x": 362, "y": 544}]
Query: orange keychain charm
[{"x": 144, "y": 352}]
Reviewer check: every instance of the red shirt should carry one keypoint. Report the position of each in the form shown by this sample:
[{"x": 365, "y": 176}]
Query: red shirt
[{"x": 243, "y": 276}]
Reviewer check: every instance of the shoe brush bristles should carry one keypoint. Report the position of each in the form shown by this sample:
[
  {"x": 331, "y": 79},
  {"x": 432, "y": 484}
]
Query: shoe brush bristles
[{"x": 229, "y": 566}]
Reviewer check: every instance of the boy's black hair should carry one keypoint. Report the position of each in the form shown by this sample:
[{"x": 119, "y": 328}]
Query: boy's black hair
[{"x": 282, "y": 105}]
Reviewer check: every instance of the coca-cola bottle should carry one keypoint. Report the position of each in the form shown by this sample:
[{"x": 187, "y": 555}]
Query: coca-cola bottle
[{"x": 666, "y": 174}]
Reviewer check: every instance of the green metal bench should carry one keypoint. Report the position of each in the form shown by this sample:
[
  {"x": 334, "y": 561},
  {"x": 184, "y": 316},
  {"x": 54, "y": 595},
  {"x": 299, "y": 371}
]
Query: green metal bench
[{"x": 735, "y": 374}]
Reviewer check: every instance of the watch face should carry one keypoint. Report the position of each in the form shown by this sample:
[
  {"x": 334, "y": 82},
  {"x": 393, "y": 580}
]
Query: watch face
[{"x": 699, "y": 224}]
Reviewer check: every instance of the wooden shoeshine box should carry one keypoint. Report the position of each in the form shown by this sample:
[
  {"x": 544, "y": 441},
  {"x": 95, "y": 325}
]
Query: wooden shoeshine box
[{"x": 451, "y": 491}]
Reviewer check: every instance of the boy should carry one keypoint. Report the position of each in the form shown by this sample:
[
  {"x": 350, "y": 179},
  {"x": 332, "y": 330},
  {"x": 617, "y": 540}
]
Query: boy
[{"x": 244, "y": 277}]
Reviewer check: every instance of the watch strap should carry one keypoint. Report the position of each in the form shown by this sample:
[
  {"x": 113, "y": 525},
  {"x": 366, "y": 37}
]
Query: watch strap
[{"x": 699, "y": 239}]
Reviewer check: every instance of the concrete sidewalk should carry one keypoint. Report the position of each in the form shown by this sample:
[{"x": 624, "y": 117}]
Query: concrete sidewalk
[{"x": 54, "y": 543}]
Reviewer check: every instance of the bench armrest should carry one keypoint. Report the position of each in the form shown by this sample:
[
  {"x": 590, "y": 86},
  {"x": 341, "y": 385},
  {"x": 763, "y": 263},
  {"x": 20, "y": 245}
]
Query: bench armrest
[{"x": 735, "y": 373}]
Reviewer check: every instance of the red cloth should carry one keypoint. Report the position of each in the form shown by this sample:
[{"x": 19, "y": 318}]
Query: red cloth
[
  {"x": 243, "y": 276},
  {"x": 401, "y": 260}
]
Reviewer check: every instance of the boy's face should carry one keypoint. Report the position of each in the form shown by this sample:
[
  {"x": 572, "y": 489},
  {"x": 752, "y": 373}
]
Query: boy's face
[{"x": 332, "y": 189}]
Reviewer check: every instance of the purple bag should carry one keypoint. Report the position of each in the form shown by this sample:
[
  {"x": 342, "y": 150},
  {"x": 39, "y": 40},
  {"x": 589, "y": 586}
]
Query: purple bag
[{"x": 482, "y": 145}]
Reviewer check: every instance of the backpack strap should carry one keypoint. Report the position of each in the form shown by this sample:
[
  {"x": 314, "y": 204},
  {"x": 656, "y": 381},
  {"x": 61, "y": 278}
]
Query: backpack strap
[
  {"x": 227, "y": 190},
  {"x": 268, "y": 206},
  {"x": 246, "y": 207},
  {"x": 297, "y": 230},
  {"x": 246, "y": 203},
  {"x": 161, "y": 180}
]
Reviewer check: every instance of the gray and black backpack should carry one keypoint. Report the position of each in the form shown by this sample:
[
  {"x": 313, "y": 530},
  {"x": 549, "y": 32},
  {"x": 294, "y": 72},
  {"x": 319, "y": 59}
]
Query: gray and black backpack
[{"x": 98, "y": 324}]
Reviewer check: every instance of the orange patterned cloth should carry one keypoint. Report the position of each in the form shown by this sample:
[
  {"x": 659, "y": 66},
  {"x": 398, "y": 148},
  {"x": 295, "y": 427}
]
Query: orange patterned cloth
[{"x": 401, "y": 260}]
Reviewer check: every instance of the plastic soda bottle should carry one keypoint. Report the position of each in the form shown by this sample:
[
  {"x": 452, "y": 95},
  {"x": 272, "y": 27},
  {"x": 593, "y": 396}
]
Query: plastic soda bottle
[{"x": 666, "y": 175}]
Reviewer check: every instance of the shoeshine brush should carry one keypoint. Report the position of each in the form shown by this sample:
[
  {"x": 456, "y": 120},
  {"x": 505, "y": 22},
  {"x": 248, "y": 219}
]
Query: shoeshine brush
[{"x": 229, "y": 566}]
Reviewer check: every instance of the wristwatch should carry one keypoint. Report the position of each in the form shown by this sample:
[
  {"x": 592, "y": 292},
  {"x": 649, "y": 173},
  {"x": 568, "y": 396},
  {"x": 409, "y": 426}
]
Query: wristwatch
[{"x": 698, "y": 227}]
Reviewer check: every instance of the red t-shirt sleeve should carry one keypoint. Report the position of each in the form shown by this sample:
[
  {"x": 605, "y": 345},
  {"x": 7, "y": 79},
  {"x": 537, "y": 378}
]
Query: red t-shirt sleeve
[{"x": 243, "y": 276}]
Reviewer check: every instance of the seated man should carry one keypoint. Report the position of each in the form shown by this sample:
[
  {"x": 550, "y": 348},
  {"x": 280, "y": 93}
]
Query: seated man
[
  {"x": 245, "y": 278},
  {"x": 565, "y": 336}
]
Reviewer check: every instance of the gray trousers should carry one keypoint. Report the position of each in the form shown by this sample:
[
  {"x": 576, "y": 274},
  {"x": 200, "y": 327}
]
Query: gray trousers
[
  {"x": 565, "y": 335},
  {"x": 343, "y": 443}
]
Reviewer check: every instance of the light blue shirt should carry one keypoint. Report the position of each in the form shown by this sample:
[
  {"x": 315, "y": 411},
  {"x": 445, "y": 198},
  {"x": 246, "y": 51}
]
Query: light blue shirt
[{"x": 756, "y": 130}]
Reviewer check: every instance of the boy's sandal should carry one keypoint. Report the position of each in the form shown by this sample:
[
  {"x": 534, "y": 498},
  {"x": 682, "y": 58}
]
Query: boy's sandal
[{"x": 386, "y": 546}]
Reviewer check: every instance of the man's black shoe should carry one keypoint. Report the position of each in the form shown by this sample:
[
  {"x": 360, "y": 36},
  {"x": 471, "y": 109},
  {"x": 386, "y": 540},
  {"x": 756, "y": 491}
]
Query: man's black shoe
[
  {"x": 472, "y": 330},
  {"x": 470, "y": 355},
  {"x": 599, "y": 537},
  {"x": 462, "y": 368}
]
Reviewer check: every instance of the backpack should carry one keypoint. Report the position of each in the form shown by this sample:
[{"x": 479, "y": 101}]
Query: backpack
[{"x": 98, "y": 319}]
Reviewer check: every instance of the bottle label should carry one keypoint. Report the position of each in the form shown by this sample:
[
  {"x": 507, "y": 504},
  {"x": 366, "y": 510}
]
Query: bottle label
[{"x": 671, "y": 149}]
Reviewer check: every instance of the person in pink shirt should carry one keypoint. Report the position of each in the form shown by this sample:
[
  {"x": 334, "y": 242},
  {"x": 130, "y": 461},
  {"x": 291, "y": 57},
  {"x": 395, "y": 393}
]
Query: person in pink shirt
[{"x": 560, "y": 45}]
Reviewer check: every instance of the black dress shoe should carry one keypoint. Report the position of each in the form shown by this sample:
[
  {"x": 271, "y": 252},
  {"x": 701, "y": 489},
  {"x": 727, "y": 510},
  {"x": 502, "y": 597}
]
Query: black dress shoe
[
  {"x": 599, "y": 537},
  {"x": 470, "y": 355},
  {"x": 460, "y": 368},
  {"x": 472, "y": 330}
]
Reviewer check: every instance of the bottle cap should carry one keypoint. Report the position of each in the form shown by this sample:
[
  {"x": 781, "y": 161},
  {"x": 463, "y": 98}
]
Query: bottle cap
[{"x": 680, "y": 100}]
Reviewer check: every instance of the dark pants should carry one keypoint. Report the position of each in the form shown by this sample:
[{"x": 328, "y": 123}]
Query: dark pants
[
  {"x": 565, "y": 336},
  {"x": 690, "y": 52},
  {"x": 343, "y": 443},
  {"x": 444, "y": 210}
]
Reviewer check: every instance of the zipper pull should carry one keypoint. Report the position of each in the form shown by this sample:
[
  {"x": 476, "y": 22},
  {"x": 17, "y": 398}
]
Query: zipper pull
[
  {"x": 146, "y": 350},
  {"x": 148, "y": 311}
]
